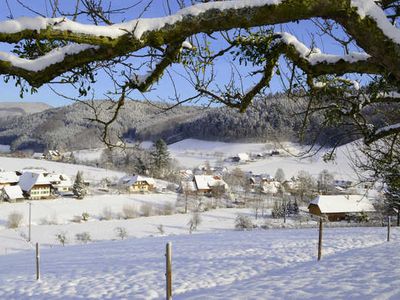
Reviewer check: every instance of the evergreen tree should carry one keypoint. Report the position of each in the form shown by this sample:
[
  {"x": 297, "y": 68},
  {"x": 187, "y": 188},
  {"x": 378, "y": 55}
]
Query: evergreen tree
[
  {"x": 289, "y": 208},
  {"x": 160, "y": 158},
  {"x": 278, "y": 210},
  {"x": 79, "y": 188},
  {"x": 392, "y": 194},
  {"x": 295, "y": 208}
]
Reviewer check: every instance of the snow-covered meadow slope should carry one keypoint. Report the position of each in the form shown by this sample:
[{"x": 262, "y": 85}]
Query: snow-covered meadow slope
[
  {"x": 192, "y": 152},
  {"x": 215, "y": 262},
  {"x": 357, "y": 263},
  {"x": 89, "y": 173}
]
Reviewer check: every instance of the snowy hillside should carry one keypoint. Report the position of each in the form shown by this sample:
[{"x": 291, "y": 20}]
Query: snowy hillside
[
  {"x": 89, "y": 173},
  {"x": 192, "y": 152},
  {"x": 273, "y": 264}
]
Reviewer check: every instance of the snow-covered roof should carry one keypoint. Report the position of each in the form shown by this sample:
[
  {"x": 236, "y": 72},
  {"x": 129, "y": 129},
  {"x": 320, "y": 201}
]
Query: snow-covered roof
[
  {"x": 29, "y": 179},
  {"x": 37, "y": 155},
  {"x": 130, "y": 180},
  {"x": 53, "y": 152},
  {"x": 59, "y": 180},
  {"x": 188, "y": 186},
  {"x": 8, "y": 177},
  {"x": 13, "y": 192},
  {"x": 186, "y": 174},
  {"x": 205, "y": 182},
  {"x": 271, "y": 187},
  {"x": 343, "y": 203},
  {"x": 243, "y": 156}
]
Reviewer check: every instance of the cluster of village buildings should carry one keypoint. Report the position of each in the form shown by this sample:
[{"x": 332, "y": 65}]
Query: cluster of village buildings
[
  {"x": 32, "y": 184},
  {"x": 39, "y": 184}
]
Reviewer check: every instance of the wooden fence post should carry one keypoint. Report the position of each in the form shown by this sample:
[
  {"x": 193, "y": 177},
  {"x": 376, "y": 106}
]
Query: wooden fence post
[
  {"x": 168, "y": 274},
  {"x": 388, "y": 229},
  {"x": 30, "y": 221},
  {"x": 37, "y": 262},
  {"x": 320, "y": 239}
]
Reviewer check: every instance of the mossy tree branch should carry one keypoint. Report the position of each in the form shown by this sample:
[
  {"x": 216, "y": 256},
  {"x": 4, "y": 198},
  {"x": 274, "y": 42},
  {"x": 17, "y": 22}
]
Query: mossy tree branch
[{"x": 384, "y": 52}]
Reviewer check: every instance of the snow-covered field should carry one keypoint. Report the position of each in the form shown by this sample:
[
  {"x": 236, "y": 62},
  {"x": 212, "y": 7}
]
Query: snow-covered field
[
  {"x": 192, "y": 152},
  {"x": 215, "y": 262},
  {"x": 89, "y": 173},
  {"x": 357, "y": 263}
]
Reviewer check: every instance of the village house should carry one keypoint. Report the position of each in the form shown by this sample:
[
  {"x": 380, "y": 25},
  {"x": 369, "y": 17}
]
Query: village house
[
  {"x": 8, "y": 179},
  {"x": 337, "y": 207},
  {"x": 138, "y": 183},
  {"x": 241, "y": 157},
  {"x": 206, "y": 184},
  {"x": 11, "y": 193},
  {"x": 270, "y": 187},
  {"x": 344, "y": 184},
  {"x": 54, "y": 155},
  {"x": 35, "y": 185},
  {"x": 60, "y": 183},
  {"x": 188, "y": 187}
]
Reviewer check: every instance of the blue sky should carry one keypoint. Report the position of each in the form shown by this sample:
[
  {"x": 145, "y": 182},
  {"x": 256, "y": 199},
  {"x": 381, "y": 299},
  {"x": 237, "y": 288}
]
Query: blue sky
[{"x": 162, "y": 90}]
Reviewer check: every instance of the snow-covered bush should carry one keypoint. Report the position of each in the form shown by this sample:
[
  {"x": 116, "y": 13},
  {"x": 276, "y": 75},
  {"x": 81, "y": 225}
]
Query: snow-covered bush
[
  {"x": 85, "y": 216},
  {"x": 77, "y": 219},
  {"x": 146, "y": 210},
  {"x": 49, "y": 221},
  {"x": 83, "y": 237},
  {"x": 160, "y": 229},
  {"x": 14, "y": 219},
  {"x": 194, "y": 222},
  {"x": 62, "y": 237},
  {"x": 107, "y": 214},
  {"x": 121, "y": 232},
  {"x": 167, "y": 209},
  {"x": 243, "y": 223},
  {"x": 129, "y": 211}
]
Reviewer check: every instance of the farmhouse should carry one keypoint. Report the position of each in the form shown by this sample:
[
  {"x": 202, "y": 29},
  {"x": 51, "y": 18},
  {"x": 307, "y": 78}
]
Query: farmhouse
[
  {"x": 206, "y": 184},
  {"x": 11, "y": 193},
  {"x": 35, "y": 185},
  {"x": 54, "y": 155},
  {"x": 336, "y": 207},
  {"x": 270, "y": 187},
  {"x": 241, "y": 157},
  {"x": 8, "y": 179},
  {"x": 60, "y": 183},
  {"x": 138, "y": 183}
]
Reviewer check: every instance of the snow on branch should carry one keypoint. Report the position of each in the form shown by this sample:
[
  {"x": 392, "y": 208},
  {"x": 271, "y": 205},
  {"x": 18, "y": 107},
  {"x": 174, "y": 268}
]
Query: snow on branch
[
  {"x": 371, "y": 9},
  {"x": 314, "y": 56},
  {"x": 137, "y": 26},
  {"x": 120, "y": 39},
  {"x": 384, "y": 132},
  {"x": 39, "y": 64}
]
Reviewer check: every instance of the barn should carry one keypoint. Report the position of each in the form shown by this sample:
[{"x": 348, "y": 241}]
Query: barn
[{"x": 336, "y": 207}]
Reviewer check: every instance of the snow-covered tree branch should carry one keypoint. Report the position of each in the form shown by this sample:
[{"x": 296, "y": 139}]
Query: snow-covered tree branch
[{"x": 64, "y": 43}]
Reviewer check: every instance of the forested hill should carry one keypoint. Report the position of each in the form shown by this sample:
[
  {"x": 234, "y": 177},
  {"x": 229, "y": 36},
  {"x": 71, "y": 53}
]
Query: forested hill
[{"x": 68, "y": 127}]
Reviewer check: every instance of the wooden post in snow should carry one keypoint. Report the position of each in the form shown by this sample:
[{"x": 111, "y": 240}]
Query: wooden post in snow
[
  {"x": 30, "y": 221},
  {"x": 320, "y": 239},
  {"x": 37, "y": 262},
  {"x": 168, "y": 273},
  {"x": 388, "y": 229}
]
